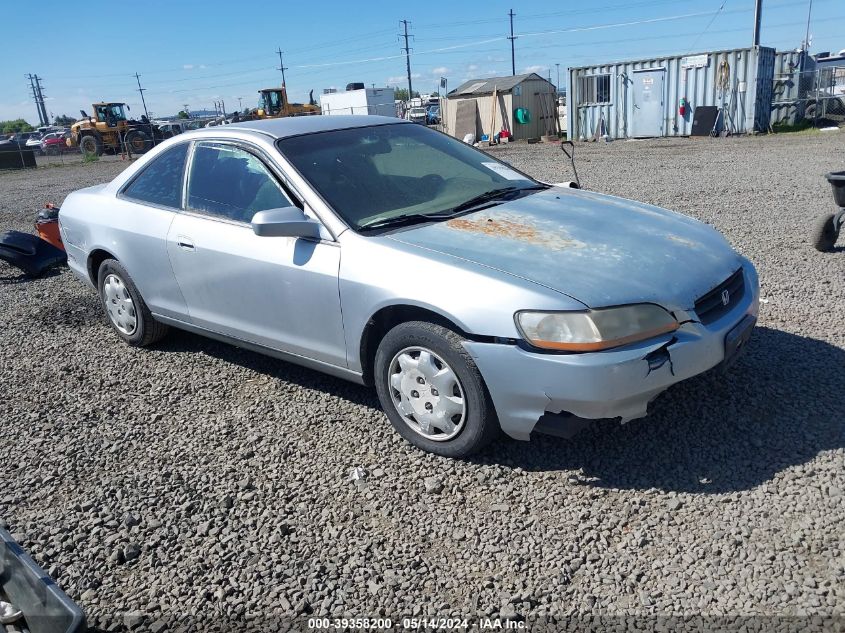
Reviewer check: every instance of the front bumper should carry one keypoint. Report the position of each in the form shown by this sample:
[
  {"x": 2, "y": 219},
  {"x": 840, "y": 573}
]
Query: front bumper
[{"x": 618, "y": 383}]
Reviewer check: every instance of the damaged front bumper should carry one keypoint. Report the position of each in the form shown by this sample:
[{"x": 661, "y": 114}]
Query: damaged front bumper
[{"x": 617, "y": 383}]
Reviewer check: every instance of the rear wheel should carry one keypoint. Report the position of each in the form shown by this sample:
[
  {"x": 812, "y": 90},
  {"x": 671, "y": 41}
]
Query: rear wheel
[
  {"x": 825, "y": 233},
  {"x": 138, "y": 141},
  {"x": 432, "y": 390},
  {"x": 128, "y": 314}
]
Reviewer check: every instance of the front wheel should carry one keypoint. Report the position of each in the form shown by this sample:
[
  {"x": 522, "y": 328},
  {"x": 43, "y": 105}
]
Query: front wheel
[
  {"x": 432, "y": 390},
  {"x": 91, "y": 145},
  {"x": 128, "y": 314}
]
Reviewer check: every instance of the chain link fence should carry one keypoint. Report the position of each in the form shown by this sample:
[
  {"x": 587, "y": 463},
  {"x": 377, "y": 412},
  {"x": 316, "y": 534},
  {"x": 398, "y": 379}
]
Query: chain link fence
[
  {"x": 125, "y": 140},
  {"x": 813, "y": 98}
]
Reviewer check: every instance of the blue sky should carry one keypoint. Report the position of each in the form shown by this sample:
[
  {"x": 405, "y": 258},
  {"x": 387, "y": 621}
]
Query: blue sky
[{"x": 197, "y": 52}]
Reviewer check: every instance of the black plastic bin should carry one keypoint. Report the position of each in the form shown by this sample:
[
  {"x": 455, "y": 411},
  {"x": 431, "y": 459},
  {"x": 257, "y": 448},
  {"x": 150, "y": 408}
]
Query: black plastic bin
[
  {"x": 45, "y": 607},
  {"x": 837, "y": 182}
]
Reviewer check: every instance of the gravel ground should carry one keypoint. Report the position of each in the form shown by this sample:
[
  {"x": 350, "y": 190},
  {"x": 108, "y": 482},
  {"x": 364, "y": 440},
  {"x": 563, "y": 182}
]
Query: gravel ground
[{"x": 196, "y": 478}]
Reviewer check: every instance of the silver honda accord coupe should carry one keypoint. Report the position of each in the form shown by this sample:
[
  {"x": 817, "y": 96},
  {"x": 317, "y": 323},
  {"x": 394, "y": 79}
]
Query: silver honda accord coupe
[{"x": 474, "y": 298}]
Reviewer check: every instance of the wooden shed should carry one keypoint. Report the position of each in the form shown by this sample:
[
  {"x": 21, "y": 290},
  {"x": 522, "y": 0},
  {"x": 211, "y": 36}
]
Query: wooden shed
[{"x": 469, "y": 107}]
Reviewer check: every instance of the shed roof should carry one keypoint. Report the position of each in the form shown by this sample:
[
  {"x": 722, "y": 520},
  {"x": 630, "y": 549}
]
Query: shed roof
[{"x": 485, "y": 86}]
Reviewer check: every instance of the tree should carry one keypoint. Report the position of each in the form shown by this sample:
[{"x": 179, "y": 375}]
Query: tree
[
  {"x": 402, "y": 94},
  {"x": 64, "y": 120},
  {"x": 183, "y": 115},
  {"x": 18, "y": 125}
]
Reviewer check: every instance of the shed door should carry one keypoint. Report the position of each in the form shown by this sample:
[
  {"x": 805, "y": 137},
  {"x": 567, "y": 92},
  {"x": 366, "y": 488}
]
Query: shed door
[{"x": 647, "y": 103}]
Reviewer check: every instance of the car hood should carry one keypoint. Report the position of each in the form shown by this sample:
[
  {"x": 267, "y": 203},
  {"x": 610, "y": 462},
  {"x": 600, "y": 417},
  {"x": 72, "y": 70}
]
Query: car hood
[{"x": 598, "y": 249}]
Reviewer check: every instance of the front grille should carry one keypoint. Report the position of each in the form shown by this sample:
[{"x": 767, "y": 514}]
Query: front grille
[{"x": 711, "y": 306}]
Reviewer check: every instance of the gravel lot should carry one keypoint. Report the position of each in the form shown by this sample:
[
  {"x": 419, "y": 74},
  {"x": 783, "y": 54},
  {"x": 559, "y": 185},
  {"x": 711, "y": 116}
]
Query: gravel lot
[{"x": 198, "y": 479}]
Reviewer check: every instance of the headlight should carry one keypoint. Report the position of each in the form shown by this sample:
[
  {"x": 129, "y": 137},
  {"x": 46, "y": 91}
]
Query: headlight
[{"x": 594, "y": 330}]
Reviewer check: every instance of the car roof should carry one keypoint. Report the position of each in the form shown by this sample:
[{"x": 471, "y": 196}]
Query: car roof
[{"x": 297, "y": 125}]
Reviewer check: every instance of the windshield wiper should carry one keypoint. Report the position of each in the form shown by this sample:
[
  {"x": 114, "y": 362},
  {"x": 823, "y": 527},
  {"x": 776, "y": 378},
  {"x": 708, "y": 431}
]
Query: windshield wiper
[
  {"x": 400, "y": 220},
  {"x": 415, "y": 218},
  {"x": 490, "y": 196}
]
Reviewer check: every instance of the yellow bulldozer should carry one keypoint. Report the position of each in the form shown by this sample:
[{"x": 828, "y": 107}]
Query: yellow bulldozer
[
  {"x": 110, "y": 130},
  {"x": 273, "y": 104}
]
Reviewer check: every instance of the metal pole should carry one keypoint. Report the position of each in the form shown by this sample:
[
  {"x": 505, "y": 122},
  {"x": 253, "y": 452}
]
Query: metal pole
[
  {"x": 40, "y": 102},
  {"x": 408, "y": 60},
  {"x": 35, "y": 98},
  {"x": 282, "y": 66},
  {"x": 512, "y": 38},
  {"x": 807, "y": 34},
  {"x": 558, "y": 77},
  {"x": 141, "y": 90},
  {"x": 758, "y": 15}
]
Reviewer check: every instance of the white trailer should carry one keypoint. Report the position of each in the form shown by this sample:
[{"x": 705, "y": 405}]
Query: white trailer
[{"x": 377, "y": 101}]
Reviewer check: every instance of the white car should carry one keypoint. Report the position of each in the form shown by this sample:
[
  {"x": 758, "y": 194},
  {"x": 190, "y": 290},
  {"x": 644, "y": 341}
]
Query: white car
[
  {"x": 417, "y": 115},
  {"x": 34, "y": 143}
]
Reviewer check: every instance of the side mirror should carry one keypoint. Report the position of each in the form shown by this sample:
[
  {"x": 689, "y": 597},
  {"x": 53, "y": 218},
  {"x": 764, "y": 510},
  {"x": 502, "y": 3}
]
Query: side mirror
[{"x": 285, "y": 222}]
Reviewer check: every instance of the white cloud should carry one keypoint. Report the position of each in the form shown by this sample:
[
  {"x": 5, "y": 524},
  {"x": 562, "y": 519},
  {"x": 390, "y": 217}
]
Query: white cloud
[
  {"x": 534, "y": 69},
  {"x": 472, "y": 67},
  {"x": 440, "y": 70},
  {"x": 187, "y": 66}
]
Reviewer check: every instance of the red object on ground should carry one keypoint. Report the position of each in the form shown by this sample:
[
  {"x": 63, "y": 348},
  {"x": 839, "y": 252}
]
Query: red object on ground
[{"x": 47, "y": 226}]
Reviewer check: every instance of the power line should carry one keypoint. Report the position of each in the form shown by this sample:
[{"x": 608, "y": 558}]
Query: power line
[{"x": 709, "y": 24}]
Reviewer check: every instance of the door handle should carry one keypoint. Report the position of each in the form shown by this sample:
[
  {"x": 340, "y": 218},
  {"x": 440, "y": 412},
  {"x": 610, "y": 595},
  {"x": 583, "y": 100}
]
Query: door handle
[{"x": 185, "y": 243}]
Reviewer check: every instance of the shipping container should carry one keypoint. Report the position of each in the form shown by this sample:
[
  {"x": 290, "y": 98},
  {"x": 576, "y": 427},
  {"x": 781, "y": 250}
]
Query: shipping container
[{"x": 658, "y": 96}]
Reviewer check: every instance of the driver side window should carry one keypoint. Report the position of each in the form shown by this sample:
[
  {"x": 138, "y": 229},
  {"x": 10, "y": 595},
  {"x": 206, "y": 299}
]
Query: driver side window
[{"x": 228, "y": 182}]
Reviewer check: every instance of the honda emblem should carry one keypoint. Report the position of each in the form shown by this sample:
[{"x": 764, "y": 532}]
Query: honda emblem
[{"x": 726, "y": 297}]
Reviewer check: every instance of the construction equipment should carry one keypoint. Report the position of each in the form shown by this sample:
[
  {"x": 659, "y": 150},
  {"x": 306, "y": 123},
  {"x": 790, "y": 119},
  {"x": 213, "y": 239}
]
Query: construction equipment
[
  {"x": 273, "y": 104},
  {"x": 109, "y": 129}
]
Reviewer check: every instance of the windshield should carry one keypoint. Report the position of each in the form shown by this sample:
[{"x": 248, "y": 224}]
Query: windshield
[{"x": 371, "y": 174}]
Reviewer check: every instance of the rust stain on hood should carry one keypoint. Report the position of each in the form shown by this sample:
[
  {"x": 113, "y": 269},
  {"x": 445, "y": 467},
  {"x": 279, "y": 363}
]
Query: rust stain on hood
[{"x": 514, "y": 227}]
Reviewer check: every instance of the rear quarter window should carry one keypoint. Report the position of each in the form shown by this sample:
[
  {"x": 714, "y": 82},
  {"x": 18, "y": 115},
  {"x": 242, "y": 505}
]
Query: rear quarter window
[{"x": 160, "y": 182}]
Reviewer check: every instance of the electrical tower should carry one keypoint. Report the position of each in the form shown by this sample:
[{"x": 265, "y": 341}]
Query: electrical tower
[
  {"x": 407, "y": 57},
  {"x": 38, "y": 97}
]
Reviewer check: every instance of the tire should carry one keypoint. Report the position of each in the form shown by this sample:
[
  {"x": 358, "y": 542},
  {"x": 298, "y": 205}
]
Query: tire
[
  {"x": 139, "y": 141},
  {"x": 472, "y": 429},
  {"x": 824, "y": 233},
  {"x": 113, "y": 281},
  {"x": 90, "y": 144}
]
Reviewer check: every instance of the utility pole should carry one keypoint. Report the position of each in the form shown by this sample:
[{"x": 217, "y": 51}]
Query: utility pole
[
  {"x": 407, "y": 59},
  {"x": 185, "y": 109},
  {"x": 41, "y": 100},
  {"x": 805, "y": 46},
  {"x": 38, "y": 97},
  {"x": 512, "y": 38},
  {"x": 141, "y": 90},
  {"x": 240, "y": 105},
  {"x": 558, "y": 77},
  {"x": 758, "y": 16},
  {"x": 223, "y": 106},
  {"x": 282, "y": 66},
  {"x": 35, "y": 98}
]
